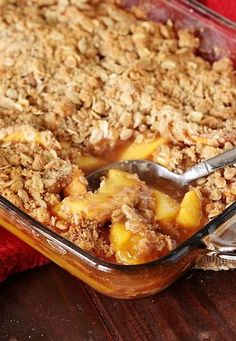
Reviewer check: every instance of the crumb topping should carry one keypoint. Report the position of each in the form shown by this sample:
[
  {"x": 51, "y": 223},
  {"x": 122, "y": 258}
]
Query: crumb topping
[{"x": 32, "y": 176}]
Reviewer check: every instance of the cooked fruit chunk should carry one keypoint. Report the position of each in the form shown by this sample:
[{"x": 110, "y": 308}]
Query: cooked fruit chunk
[
  {"x": 125, "y": 244},
  {"x": 141, "y": 151},
  {"x": 124, "y": 257},
  {"x": 89, "y": 163},
  {"x": 137, "y": 248},
  {"x": 26, "y": 133},
  {"x": 190, "y": 212},
  {"x": 167, "y": 208},
  {"x": 77, "y": 186},
  {"x": 91, "y": 206},
  {"x": 117, "y": 189},
  {"x": 117, "y": 180},
  {"x": 120, "y": 236}
]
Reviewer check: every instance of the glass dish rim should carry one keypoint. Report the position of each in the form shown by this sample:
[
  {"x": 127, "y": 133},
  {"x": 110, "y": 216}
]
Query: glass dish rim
[{"x": 194, "y": 240}]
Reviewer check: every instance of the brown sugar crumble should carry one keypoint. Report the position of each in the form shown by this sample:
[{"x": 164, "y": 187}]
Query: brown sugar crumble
[
  {"x": 81, "y": 76},
  {"x": 32, "y": 175}
]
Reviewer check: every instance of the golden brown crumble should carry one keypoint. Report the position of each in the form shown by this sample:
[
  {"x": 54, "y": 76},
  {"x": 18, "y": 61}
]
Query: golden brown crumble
[
  {"x": 87, "y": 74},
  {"x": 32, "y": 175},
  {"x": 89, "y": 237}
]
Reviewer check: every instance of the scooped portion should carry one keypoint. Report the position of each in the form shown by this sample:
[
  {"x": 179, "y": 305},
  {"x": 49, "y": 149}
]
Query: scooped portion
[
  {"x": 124, "y": 221},
  {"x": 139, "y": 222}
]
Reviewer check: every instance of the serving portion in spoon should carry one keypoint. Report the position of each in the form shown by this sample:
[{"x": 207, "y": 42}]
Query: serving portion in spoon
[
  {"x": 150, "y": 171},
  {"x": 140, "y": 211},
  {"x": 220, "y": 243}
]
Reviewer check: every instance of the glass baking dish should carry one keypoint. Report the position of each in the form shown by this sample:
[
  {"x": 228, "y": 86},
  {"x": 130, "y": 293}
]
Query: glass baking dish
[{"x": 218, "y": 39}]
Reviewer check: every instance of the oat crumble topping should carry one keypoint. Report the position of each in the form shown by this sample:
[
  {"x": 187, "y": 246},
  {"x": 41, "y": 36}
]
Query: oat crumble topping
[{"x": 79, "y": 76}]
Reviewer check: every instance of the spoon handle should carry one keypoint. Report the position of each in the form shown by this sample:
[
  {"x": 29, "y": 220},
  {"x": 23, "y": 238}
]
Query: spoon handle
[{"x": 209, "y": 166}]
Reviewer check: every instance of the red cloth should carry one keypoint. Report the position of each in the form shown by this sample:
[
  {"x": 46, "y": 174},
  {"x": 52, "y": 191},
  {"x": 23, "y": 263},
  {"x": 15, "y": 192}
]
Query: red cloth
[
  {"x": 16, "y": 256},
  {"x": 226, "y": 8}
]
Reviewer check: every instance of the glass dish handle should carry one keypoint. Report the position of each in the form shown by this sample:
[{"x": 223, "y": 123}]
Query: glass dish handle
[{"x": 222, "y": 242}]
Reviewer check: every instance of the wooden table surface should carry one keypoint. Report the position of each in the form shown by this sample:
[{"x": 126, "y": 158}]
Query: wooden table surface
[{"x": 49, "y": 304}]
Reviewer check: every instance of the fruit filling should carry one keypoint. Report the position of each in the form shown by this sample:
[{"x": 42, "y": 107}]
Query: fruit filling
[
  {"x": 133, "y": 216},
  {"x": 125, "y": 220}
]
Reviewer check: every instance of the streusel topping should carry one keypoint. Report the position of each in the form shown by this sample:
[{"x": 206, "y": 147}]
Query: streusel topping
[{"x": 32, "y": 176}]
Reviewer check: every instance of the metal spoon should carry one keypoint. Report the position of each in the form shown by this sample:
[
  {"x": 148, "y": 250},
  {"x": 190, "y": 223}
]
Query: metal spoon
[{"x": 152, "y": 172}]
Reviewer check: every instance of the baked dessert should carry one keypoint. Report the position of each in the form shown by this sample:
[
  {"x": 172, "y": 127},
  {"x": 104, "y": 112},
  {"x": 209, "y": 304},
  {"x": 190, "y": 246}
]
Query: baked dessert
[{"x": 84, "y": 83}]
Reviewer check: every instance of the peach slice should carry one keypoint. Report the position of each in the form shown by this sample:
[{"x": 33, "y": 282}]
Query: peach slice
[
  {"x": 167, "y": 208},
  {"x": 120, "y": 236},
  {"x": 27, "y": 133},
  {"x": 89, "y": 163},
  {"x": 190, "y": 212},
  {"x": 118, "y": 188},
  {"x": 125, "y": 244},
  {"x": 141, "y": 151},
  {"x": 137, "y": 248}
]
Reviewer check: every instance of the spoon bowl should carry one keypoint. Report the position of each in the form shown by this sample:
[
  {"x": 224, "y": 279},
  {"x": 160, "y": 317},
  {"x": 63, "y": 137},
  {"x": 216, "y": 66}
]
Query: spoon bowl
[
  {"x": 148, "y": 171},
  {"x": 152, "y": 172}
]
